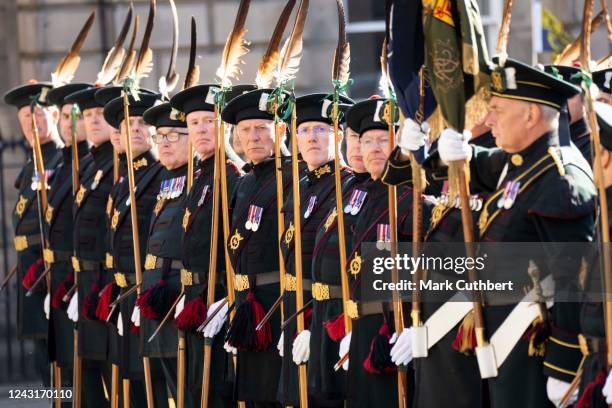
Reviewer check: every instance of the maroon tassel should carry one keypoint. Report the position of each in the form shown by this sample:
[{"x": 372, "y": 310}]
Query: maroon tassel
[
  {"x": 586, "y": 398},
  {"x": 91, "y": 302},
  {"x": 465, "y": 341},
  {"x": 192, "y": 316},
  {"x": 57, "y": 300},
  {"x": 108, "y": 296},
  {"x": 156, "y": 301},
  {"x": 537, "y": 335},
  {"x": 134, "y": 329},
  {"x": 335, "y": 328},
  {"x": 379, "y": 359},
  {"x": 32, "y": 274},
  {"x": 242, "y": 333}
]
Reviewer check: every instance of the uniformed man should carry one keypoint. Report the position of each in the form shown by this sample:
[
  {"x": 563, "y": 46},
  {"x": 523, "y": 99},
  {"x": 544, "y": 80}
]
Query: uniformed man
[
  {"x": 31, "y": 321},
  {"x": 197, "y": 104},
  {"x": 254, "y": 259},
  {"x": 58, "y": 225},
  {"x": 125, "y": 349},
  {"x": 90, "y": 249},
  {"x": 447, "y": 375},
  {"x": 161, "y": 281},
  {"x": 372, "y": 376},
  {"x": 602, "y": 79},
  {"x": 315, "y": 139},
  {"x": 554, "y": 201}
]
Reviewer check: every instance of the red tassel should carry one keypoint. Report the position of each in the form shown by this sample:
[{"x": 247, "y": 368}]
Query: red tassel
[
  {"x": 57, "y": 300},
  {"x": 264, "y": 335},
  {"x": 379, "y": 358},
  {"x": 108, "y": 296},
  {"x": 32, "y": 274},
  {"x": 91, "y": 302},
  {"x": 586, "y": 397},
  {"x": 155, "y": 302},
  {"x": 465, "y": 341},
  {"x": 134, "y": 329},
  {"x": 335, "y": 328},
  {"x": 192, "y": 316}
]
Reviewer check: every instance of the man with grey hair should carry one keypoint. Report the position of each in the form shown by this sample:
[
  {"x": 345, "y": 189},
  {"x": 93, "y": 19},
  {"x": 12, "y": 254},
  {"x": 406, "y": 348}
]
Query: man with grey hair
[{"x": 543, "y": 191}]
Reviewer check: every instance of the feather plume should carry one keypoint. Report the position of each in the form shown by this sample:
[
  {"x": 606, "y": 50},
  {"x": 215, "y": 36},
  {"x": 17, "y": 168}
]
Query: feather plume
[
  {"x": 64, "y": 72},
  {"x": 144, "y": 63},
  {"x": 572, "y": 51},
  {"x": 130, "y": 56},
  {"x": 115, "y": 56},
  {"x": 342, "y": 54},
  {"x": 193, "y": 71},
  {"x": 168, "y": 83},
  {"x": 291, "y": 53},
  {"x": 269, "y": 62},
  {"x": 235, "y": 48}
]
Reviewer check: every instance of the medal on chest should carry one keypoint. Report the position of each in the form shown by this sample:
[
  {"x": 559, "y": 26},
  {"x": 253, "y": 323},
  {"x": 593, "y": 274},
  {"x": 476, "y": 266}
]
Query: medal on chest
[
  {"x": 204, "y": 192},
  {"x": 36, "y": 180},
  {"x": 312, "y": 201},
  {"x": 254, "y": 218},
  {"x": 96, "y": 181},
  {"x": 383, "y": 240},
  {"x": 507, "y": 199},
  {"x": 356, "y": 202}
]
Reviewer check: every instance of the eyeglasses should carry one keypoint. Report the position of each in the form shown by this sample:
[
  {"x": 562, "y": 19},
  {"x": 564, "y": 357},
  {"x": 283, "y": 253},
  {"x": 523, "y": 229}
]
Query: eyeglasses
[
  {"x": 171, "y": 137},
  {"x": 381, "y": 141},
  {"x": 318, "y": 131}
]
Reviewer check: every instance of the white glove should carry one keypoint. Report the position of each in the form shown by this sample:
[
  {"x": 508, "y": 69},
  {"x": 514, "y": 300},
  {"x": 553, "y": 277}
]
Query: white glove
[
  {"x": 280, "y": 346},
  {"x": 47, "y": 305},
  {"x": 454, "y": 146},
  {"x": 216, "y": 323},
  {"x": 179, "y": 307},
  {"x": 136, "y": 316},
  {"x": 230, "y": 349},
  {"x": 73, "y": 307},
  {"x": 556, "y": 389},
  {"x": 607, "y": 389},
  {"x": 120, "y": 324},
  {"x": 301, "y": 347},
  {"x": 345, "y": 345},
  {"x": 413, "y": 136},
  {"x": 401, "y": 352}
]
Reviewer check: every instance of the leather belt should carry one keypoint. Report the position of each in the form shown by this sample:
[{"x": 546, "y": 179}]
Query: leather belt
[
  {"x": 51, "y": 257},
  {"x": 189, "y": 278},
  {"x": 123, "y": 280},
  {"x": 291, "y": 283},
  {"x": 79, "y": 266},
  {"x": 156, "y": 262},
  {"x": 323, "y": 291},
  {"x": 22, "y": 242},
  {"x": 591, "y": 345},
  {"x": 356, "y": 310},
  {"x": 241, "y": 282}
]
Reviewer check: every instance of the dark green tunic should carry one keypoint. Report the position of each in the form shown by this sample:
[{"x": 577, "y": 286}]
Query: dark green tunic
[
  {"x": 58, "y": 228},
  {"x": 91, "y": 246},
  {"x": 196, "y": 243},
  {"x": 31, "y": 321}
]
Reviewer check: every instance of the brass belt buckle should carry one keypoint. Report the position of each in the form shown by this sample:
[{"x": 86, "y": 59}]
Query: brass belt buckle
[
  {"x": 290, "y": 283},
  {"x": 150, "y": 261},
  {"x": 121, "y": 280},
  {"x": 186, "y": 277},
  {"x": 21, "y": 242},
  {"x": 109, "y": 261},
  {"x": 351, "y": 309},
  {"x": 48, "y": 256},
  {"x": 320, "y": 291},
  {"x": 75, "y": 264},
  {"x": 241, "y": 282}
]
